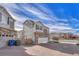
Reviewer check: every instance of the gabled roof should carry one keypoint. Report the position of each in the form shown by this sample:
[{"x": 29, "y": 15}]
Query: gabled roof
[
  {"x": 36, "y": 21},
  {"x": 6, "y": 11},
  {"x": 28, "y": 21},
  {"x": 41, "y": 23}
]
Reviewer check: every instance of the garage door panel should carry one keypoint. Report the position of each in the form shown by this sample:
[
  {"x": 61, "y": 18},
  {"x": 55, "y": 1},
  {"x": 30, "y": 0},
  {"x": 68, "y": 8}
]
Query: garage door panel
[{"x": 43, "y": 40}]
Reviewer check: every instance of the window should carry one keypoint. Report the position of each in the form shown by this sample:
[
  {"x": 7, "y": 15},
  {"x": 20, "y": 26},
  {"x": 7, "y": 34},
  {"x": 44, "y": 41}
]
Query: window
[
  {"x": 37, "y": 27},
  {"x": 11, "y": 23},
  {"x": 40, "y": 27},
  {"x": 0, "y": 17},
  {"x": 8, "y": 21}
]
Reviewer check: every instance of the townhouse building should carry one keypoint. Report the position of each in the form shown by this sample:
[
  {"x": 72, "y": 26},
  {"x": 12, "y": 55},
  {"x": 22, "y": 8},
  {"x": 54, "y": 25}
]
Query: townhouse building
[{"x": 36, "y": 31}]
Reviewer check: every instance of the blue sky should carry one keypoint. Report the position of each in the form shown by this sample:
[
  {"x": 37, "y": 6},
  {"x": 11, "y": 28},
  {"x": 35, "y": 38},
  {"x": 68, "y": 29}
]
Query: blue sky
[{"x": 59, "y": 17}]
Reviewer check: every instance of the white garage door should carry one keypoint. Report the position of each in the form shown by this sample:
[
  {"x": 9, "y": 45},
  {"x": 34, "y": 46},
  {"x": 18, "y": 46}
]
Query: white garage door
[
  {"x": 2, "y": 42},
  {"x": 43, "y": 40}
]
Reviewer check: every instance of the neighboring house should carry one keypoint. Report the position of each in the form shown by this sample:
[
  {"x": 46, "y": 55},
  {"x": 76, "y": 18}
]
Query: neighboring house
[
  {"x": 36, "y": 31},
  {"x": 6, "y": 23},
  {"x": 60, "y": 35},
  {"x": 55, "y": 34},
  {"x": 20, "y": 34}
]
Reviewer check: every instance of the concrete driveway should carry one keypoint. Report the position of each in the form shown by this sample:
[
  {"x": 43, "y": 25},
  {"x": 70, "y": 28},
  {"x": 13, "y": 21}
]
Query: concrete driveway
[
  {"x": 68, "y": 49},
  {"x": 13, "y": 51},
  {"x": 38, "y": 50},
  {"x": 54, "y": 49},
  {"x": 49, "y": 49}
]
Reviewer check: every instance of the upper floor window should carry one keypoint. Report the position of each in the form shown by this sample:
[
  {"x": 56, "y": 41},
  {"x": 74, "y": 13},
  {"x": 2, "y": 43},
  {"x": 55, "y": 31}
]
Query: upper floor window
[
  {"x": 8, "y": 21},
  {"x": 37, "y": 27},
  {"x": 40, "y": 27},
  {"x": 0, "y": 17},
  {"x": 11, "y": 23}
]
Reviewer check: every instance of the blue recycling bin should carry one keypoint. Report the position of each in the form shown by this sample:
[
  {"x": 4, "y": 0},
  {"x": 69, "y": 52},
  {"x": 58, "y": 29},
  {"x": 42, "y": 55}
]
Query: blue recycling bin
[{"x": 11, "y": 42}]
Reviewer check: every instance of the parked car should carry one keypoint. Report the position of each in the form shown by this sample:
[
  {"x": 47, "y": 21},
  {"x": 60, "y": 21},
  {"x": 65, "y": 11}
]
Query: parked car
[{"x": 55, "y": 39}]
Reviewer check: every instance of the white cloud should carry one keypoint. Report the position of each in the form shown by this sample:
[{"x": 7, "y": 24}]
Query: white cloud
[
  {"x": 46, "y": 10},
  {"x": 57, "y": 28},
  {"x": 74, "y": 19},
  {"x": 9, "y": 5},
  {"x": 76, "y": 29},
  {"x": 38, "y": 13}
]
